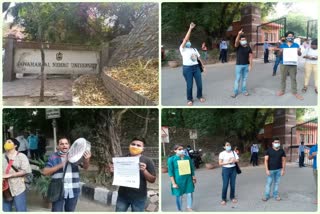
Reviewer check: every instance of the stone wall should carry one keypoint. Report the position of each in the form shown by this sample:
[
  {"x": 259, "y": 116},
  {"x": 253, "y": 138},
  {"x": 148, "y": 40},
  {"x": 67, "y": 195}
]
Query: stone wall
[
  {"x": 123, "y": 94},
  {"x": 141, "y": 43}
]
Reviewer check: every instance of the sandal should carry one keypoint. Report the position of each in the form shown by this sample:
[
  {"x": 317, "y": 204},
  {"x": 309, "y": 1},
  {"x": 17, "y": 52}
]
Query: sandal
[
  {"x": 223, "y": 203},
  {"x": 304, "y": 90},
  {"x": 202, "y": 100},
  {"x": 233, "y": 95},
  {"x": 298, "y": 96},
  {"x": 264, "y": 199},
  {"x": 280, "y": 93},
  {"x": 246, "y": 94},
  {"x": 234, "y": 200},
  {"x": 190, "y": 103},
  {"x": 316, "y": 90},
  {"x": 278, "y": 198}
]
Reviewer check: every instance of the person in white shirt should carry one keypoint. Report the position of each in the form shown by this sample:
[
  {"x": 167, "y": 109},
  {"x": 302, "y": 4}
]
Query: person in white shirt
[
  {"x": 24, "y": 145},
  {"x": 310, "y": 66},
  {"x": 191, "y": 68},
  {"x": 227, "y": 160}
]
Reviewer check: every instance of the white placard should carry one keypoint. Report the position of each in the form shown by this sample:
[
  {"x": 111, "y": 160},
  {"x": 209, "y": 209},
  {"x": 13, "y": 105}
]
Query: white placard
[
  {"x": 56, "y": 61},
  {"x": 290, "y": 56},
  {"x": 126, "y": 172}
]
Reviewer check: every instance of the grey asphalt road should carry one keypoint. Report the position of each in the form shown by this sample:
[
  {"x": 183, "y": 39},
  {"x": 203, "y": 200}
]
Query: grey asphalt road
[
  {"x": 218, "y": 86},
  {"x": 297, "y": 190}
]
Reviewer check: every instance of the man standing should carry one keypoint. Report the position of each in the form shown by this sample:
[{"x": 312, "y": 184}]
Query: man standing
[
  {"x": 243, "y": 64},
  {"x": 313, "y": 155},
  {"x": 33, "y": 145},
  {"x": 289, "y": 67},
  {"x": 266, "y": 46},
  {"x": 23, "y": 148},
  {"x": 301, "y": 149},
  {"x": 56, "y": 165},
  {"x": 254, "y": 154},
  {"x": 204, "y": 51},
  {"x": 275, "y": 164},
  {"x": 223, "y": 50},
  {"x": 136, "y": 198}
]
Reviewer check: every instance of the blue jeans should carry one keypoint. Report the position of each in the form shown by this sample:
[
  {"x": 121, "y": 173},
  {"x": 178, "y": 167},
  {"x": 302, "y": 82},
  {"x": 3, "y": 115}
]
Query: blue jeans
[
  {"x": 241, "y": 77},
  {"x": 190, "y": 72},
  {"x": 69, "y": 205},
  {"x": 19, "y": 201},
  {"x": 274, "y": 177},
  {"x": 276, "y": 64},
  {"x": 137, "y": 205},
  {"x": 179, "y": 201},
  {"x": 228, "y": 176}
]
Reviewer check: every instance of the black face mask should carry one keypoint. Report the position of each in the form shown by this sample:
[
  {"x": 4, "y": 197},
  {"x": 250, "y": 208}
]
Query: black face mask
[{"x": 283, "y": 40}]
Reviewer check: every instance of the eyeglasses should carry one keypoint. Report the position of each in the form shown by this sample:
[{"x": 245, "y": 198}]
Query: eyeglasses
[{"x": 137, "y": 145}]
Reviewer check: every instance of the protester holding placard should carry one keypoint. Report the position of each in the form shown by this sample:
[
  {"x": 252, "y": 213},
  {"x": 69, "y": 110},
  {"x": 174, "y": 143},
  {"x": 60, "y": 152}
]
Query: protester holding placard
[
  {"x": 59, "y": 167},
  {"x": 181, "y": 172},
  {"x": 136, "y": 197},
  {"x": 288, "y": 65}
]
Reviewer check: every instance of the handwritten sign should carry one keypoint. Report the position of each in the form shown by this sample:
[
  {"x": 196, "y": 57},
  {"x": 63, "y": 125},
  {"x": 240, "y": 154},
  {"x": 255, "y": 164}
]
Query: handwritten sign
[{"x": 184, "y": 167}]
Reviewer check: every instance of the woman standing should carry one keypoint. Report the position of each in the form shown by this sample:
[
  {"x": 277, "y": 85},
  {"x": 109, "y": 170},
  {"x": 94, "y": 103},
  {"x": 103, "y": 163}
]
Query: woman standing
[
  {"x": 15, "y": 180},
  {"x": 181, "y": 172},
  {"x": 191, "y": 68},
  {"x": 227, "y": 160}
]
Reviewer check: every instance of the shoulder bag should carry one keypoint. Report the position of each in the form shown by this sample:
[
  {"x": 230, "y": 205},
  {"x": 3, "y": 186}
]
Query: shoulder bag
[
  {"x": 6, "y": 193},
  {"x": 199, "y": 62},
  {"x": 56, "y": 187},
  {"x": 237, "y": 166}
]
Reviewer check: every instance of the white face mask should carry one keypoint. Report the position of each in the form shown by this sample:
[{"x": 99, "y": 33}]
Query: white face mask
[
  {"x": 243, "y": 42},
  {"x": 276, "y": 145},
  {"x": 180, "y": 152}
]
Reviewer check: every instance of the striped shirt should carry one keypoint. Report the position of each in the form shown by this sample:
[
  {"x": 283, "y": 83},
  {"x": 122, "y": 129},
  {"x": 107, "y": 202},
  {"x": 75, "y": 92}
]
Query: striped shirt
[{"x": 71, "y": 178}]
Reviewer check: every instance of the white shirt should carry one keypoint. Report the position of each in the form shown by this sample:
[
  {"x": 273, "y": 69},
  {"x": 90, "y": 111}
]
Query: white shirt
[
  {"x": 23, "y": 143},
  {"x": 188, "y": 54},
  {"x": 226, "y": 156},
  {"x": 311, "y": 52}
]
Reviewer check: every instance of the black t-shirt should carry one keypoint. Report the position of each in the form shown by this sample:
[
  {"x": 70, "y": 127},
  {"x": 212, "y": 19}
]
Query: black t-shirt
[
  {"x": 133, "y": 193},
  {"x": 243, "y": 55},
  {"x": 275, "y": 158}
]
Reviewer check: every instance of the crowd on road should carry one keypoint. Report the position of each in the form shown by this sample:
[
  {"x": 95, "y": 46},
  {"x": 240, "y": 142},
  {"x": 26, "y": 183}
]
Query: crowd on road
[{"x": 286, "y": 52}]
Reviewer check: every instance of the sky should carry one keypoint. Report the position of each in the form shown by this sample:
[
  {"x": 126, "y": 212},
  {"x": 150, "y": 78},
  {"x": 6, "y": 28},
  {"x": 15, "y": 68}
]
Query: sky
[{"x": 306, "y": 7}]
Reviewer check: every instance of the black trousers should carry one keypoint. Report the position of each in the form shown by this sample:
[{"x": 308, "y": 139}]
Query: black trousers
[
  {"x": 266, "y": 56},
  {"x": 301, "y": 159},
  {"x": 254, "y": 158}
]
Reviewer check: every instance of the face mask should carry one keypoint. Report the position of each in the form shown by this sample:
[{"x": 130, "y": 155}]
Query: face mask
[
  {"x": 8, "y": 145},
  {"x": 62, "y": 153},
  {"x": 135, "y": 150},
  {"x": 243, "y": 42},
  {"x": 276, "y": 145},
  {"x": 290, "y": 39},
  {"x": 188, "y": 44},
  {"x": 180, "y": 152},
  {"x": 283, "y": 40},
  {"x": 228, "y": 148}
]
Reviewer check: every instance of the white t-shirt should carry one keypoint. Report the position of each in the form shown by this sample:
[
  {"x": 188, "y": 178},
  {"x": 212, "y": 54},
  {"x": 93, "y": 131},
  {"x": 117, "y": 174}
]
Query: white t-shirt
[
  {"x": 225, "y": 156},
  {"x": 311, "y": 52},
  {"x": 188, "y": 54}
]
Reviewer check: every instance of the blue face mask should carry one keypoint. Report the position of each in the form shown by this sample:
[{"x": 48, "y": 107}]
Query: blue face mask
[
  {"x": 188, "y": 44},
  {"x": 290, "y": 39},
  {"x": 228, "y": 148}
]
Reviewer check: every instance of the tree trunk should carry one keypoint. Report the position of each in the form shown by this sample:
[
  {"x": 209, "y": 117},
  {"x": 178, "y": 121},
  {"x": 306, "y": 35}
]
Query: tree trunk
[
  {"x": 42, "y": 63},
  {"x": 146, "y": 124}
]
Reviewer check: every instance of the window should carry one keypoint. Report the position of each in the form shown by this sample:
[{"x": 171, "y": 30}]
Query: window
[
  {"x": 301, "y": 137},
  {"x": 265, "y": 36}
]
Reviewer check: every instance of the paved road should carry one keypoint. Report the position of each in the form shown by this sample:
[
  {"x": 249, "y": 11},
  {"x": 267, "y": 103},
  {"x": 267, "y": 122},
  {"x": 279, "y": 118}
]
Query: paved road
[
  {"x": 35, "y": 204},
  {"x": 296, "y": 189},
  {"x": 218, "y": 86}
]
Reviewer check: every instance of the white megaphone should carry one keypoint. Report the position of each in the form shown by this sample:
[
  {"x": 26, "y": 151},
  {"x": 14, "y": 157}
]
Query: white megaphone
[{"x": 77, "y": 149}]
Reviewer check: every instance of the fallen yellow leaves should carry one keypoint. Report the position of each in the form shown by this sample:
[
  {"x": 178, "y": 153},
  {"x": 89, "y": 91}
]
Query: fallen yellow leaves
[
  {"x": 142, "y": 76},
  {"x": 90, "y": 90}
]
